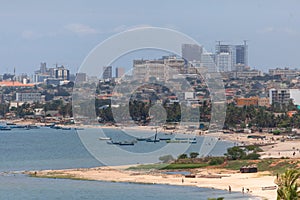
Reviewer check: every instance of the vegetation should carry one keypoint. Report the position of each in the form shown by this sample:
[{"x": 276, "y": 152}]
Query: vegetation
[
  {"x": 246, "y": 153},
  {"x": 288, "y": 185}
]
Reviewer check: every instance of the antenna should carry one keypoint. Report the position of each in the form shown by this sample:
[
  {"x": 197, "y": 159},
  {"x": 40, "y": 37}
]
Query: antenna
[{"x": 219, "y": 42}]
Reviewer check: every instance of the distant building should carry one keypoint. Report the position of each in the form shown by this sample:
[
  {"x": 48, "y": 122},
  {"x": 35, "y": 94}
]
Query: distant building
[
  {"x": 208, "y": 60},
  {"x": 28, "y": 97},
  {"x": 224, "y": 61},
  {"x": 62, "y": 73},
  {"x": 280, "y": 96},
  {"x": 231, "y": 57},
  {"x": 162, "y": 69},
  {"x": 286, "y": 72},
  {"x": 252, "y": 101},
  {"x": 264, "y": 102},
  {"x": 43, "y": 68},
  {"x": 107, "y": 72},
  {"x": 247, "y": 74},
  {"x": 81, "y": 77},
  {"x": 120, "y": 71},
  {"x": 191, "y": 52}
]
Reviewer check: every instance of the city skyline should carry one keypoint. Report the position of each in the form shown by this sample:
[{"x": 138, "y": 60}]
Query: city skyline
[{"x": 53, "y": 32}]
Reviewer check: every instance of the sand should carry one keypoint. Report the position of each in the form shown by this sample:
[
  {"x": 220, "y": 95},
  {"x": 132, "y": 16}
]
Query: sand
[{"x": 218, "y": 179}]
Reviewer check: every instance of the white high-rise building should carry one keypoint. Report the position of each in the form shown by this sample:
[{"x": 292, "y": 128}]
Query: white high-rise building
[{"x": 224, "y": 62}]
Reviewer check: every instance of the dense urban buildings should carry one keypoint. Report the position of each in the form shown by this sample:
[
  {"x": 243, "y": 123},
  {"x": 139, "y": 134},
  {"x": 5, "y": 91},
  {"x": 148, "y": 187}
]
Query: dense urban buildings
[{"x": 162, "y": 69}]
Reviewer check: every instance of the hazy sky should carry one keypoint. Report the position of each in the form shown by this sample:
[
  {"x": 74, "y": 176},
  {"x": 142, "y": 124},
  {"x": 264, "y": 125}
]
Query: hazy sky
[{"x": 65, "y": 31}]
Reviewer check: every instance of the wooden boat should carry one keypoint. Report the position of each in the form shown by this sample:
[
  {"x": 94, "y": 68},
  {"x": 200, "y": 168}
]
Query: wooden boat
[
  {"x": 104, "y": 138},
  {"x": 126, "y": 143}
]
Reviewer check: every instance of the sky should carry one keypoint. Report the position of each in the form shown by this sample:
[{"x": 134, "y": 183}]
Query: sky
[{"x": 64, "y": 32}]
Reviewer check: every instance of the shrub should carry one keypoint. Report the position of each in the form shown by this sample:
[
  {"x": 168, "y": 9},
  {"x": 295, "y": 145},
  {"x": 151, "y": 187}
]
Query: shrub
[
  {"x": 194, "y": 154},
  {"x": 216, "y": 161},
  {"x": 182, "y": 156}
]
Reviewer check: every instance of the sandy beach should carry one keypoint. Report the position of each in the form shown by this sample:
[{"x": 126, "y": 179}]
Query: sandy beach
[{"x": 208, "y": 178}]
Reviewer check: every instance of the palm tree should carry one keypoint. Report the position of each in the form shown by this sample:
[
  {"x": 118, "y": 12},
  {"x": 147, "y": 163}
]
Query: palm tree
[{"x": 288, "y": 186}]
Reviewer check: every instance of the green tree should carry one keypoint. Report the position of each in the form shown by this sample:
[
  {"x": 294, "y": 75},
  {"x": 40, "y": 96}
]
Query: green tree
[
  {"x": 194, "y": 154},
  {"x": 182, "y": 156},
  {"x": 288, "y": 186},
  {"x": 235, "y": 153}
]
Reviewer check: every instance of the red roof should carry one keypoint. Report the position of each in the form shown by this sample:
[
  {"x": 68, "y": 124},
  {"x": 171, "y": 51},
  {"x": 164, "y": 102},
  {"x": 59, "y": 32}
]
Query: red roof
[{"x": 14, "y": 84}]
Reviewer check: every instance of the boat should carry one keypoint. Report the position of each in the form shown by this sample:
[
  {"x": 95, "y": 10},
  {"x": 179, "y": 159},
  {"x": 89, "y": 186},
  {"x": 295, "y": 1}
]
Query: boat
[
  {"x": 66, "y": 128},
  {"x": 17, "y": 126},
  {"x": 177, "y": 141},
  {"x": 5, "y": 128},
  {"x": 165, "y": 139},
  {"x": 127, "y": 143},
  {"x": 56, "y": 127},
  {"x": 104, "y": 138},
  {"x": 32, "y": 127},
  {"x": 142, "y": 139},
  {"x": 112, "y": 142},
  {"x": 78, "y": 128},
  {"x": 152, "y": 140}
]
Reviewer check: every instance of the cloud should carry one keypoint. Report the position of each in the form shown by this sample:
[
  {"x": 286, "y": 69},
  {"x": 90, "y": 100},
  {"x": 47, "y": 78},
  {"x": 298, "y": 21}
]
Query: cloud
[{"x": 81, "y": 29}]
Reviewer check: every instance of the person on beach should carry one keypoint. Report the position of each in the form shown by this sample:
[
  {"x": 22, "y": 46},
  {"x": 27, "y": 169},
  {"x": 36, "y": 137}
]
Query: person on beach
[
  {"x": 182, "y": 180},
  {"x": 243, "y": 190},
  {"x": 229, "y": 189}
]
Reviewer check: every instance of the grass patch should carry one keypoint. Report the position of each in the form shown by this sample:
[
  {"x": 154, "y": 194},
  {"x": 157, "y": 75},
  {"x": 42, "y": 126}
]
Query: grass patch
[
  {"x": 148, "y": 167},
  {"x": 275, "y": 166},
  {"x": 185, "y": 166},
  {"x": 169, "y": 166}
]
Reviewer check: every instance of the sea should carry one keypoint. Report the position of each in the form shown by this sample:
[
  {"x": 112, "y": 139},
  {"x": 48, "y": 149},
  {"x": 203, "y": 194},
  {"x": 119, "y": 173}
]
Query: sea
[{"x": 46, "y": 148}]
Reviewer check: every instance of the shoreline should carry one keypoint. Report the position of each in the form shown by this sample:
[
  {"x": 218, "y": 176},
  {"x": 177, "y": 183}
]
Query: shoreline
[
  {"x": 272, "y": 146},
  {"x": 206, "y": 178}
]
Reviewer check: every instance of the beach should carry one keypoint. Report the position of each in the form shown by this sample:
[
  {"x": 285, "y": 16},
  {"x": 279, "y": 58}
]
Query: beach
[{"x": 252, "y": 183}]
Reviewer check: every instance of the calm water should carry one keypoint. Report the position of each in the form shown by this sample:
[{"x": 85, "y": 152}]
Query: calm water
[{"x": 46, "y": 148}]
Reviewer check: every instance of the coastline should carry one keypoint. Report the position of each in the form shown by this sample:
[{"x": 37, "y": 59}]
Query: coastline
[{"x": 205, "y": 178}]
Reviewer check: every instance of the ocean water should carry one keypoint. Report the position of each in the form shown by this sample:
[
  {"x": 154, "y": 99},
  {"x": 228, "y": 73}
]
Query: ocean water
[{"x": 46, "y": 148}]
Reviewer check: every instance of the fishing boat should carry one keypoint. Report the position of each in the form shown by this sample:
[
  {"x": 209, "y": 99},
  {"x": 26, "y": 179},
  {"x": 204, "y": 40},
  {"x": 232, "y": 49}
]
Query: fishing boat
[
  {"x": 112, "y": 142},
  {"x": 152, "y": 140},
  {"x": 5, "y": 128},
  {"x": 104, "y": 138},
  {"x": 127, "y": 143}
]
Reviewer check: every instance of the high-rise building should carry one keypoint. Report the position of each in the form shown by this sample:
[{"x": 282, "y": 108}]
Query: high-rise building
[
  {"x": 241, "y": 54},
  {"x": 224, "y": 62},
  {"x": 43, "y": 68},
  {"x": 107, "y": 72},
  {"x": 80, "y": 77},
  {"x": 191, "y": 52},
  {"x": 237, "y": 56},
  {"x": 120, "y": 71},
  {"x": 62, "y": 73}
]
